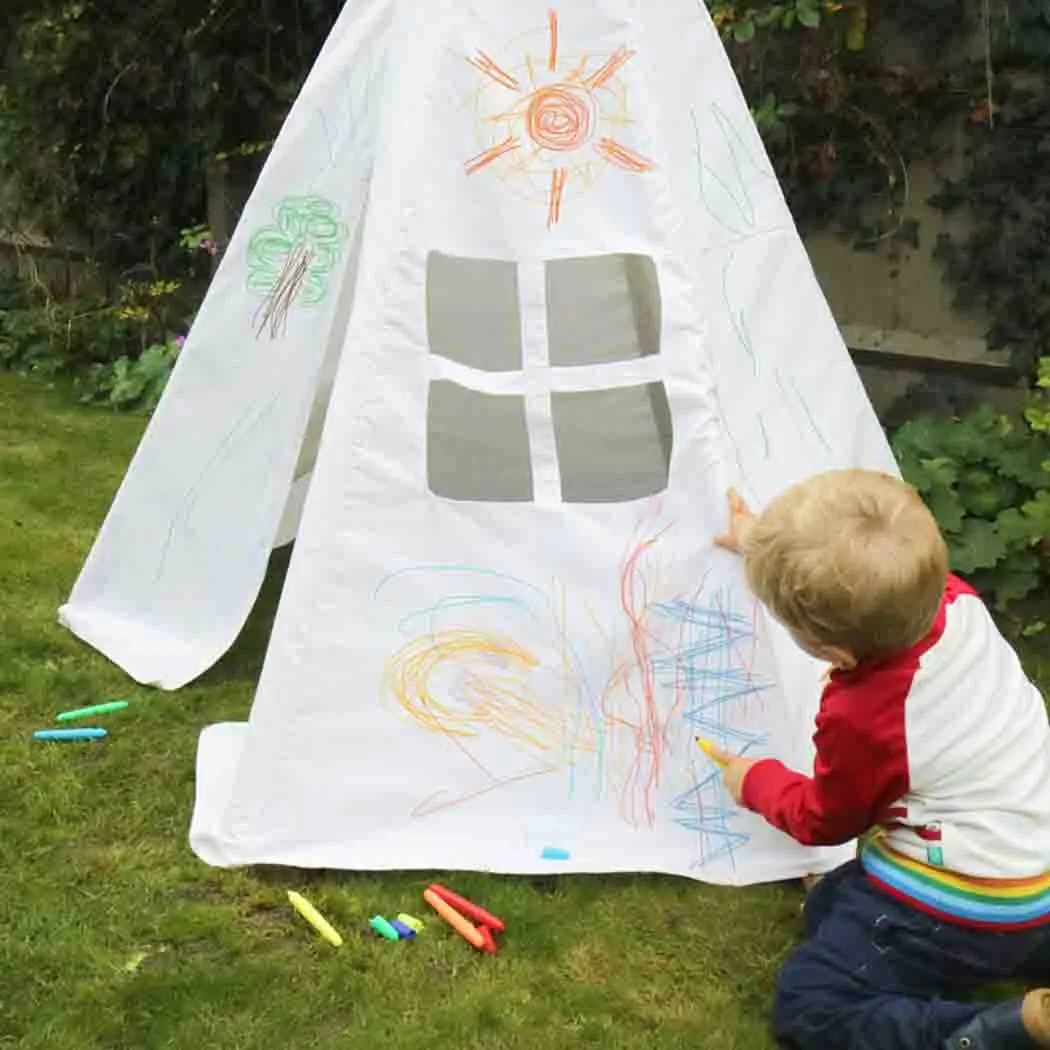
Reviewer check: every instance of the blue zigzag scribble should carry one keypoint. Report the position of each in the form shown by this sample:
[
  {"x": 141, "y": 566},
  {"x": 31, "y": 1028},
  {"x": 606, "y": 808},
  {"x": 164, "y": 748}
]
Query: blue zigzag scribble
[{"x": 704, "y": 669}]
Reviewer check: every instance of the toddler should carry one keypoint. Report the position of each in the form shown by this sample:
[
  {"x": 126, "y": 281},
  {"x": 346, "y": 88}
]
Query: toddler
[{"x": 932, "y": 749}]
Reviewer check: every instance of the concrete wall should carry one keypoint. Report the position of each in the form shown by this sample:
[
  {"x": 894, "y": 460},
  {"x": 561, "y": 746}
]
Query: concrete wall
[{"x": 898, "y": 312}]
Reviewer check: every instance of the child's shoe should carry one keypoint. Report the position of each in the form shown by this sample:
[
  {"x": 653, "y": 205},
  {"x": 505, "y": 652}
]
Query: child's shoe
[{"x": 1019, "y": 1025}]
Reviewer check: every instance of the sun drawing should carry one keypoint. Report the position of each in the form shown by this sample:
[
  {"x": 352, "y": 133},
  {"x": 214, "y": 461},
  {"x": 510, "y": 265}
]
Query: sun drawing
[{"x": 552, "y": 120}]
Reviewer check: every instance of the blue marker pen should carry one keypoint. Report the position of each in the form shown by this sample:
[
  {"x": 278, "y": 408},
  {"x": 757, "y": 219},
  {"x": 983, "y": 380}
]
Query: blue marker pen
[{"x": 70, "y": 734}]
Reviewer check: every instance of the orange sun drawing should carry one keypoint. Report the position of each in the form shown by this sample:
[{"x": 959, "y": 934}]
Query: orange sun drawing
[{"x": 552, "y": 119}]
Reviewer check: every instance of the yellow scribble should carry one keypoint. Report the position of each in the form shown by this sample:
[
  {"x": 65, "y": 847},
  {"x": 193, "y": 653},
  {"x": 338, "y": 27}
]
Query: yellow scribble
[{"x": 491, "y": 691}]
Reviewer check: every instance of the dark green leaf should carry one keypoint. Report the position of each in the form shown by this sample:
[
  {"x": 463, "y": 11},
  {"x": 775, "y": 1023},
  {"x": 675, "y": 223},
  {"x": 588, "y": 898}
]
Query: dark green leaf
[
  {"x": 978, "y": 545},
  {"x": 808, "y": 15},
  {"x": 744, "y": 31}
]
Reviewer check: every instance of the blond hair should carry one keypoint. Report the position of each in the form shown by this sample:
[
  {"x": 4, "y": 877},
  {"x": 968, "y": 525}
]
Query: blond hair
[{"x": 852, "y": 559}]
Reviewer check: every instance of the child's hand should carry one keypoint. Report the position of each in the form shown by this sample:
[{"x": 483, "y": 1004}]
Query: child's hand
[
  {"x": 734, "y": 769},
  {"x": 741, "y": 519}
]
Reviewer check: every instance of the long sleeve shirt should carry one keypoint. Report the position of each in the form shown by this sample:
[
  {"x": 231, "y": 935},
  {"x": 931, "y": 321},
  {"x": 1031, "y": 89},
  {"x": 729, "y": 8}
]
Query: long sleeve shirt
[{"x": 940, "y": 758}]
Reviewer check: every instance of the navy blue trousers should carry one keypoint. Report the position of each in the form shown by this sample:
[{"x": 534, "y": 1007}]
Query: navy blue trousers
[{"x": 875, "y": 974}]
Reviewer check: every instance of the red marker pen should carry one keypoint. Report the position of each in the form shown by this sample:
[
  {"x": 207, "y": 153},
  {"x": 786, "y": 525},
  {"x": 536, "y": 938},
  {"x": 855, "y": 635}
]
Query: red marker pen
[{"x": 469, "y": 909}]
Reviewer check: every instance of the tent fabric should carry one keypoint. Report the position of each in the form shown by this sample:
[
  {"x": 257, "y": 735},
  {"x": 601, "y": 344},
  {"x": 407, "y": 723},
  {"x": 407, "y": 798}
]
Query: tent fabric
[{"x": 515, "y": 300}]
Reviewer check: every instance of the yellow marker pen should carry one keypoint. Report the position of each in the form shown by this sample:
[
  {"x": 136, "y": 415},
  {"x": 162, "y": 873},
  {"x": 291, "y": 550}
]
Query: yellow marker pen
[
  {"x": 710, "y": 750},
  {"x": 314, "y": 918}
]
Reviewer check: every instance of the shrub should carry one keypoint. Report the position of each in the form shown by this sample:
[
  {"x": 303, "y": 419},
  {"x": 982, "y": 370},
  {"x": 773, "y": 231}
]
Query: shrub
[{"x": 987, "y": 480}]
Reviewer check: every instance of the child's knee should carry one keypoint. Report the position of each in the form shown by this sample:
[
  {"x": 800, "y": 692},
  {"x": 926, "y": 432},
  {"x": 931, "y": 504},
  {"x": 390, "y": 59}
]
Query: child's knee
[
  {"x": 790, "y": 1001},
  {"x": 809, "y": 1002}
]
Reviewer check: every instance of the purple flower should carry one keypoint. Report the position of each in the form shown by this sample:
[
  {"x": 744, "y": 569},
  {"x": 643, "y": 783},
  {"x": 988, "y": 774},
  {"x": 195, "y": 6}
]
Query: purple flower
[{"x": 180, "y": 341}]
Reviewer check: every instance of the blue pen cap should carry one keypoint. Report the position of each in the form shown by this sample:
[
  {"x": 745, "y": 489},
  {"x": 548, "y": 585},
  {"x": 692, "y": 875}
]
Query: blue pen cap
[{"x": 406, "y": 933}]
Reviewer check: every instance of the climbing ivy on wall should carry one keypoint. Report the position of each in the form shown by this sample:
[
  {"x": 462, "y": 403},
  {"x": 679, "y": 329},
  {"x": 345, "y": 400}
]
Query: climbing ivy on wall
[
  {"x": 111, "y": 113},
  {"x": 1003, "y": 265},
  {"x": 850, "y": 94},
  {"x": 112, "y": 110}
]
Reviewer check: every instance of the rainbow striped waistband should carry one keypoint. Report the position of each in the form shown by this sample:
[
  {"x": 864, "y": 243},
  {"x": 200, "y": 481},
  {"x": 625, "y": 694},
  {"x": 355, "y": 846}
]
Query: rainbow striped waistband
[{"x": 1001, "y": 904}]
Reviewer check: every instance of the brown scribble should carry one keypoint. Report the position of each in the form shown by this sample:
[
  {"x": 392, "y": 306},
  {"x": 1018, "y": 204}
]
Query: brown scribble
[
  {"x": 273, "y": 311},
  {"x": 430, "y": 806}
]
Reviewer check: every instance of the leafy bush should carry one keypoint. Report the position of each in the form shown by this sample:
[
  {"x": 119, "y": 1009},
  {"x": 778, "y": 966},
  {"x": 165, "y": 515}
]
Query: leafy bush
[
  {"x": 133, "y": 382},
  {"x": 987, "y": 480},
  {"x": 118, "y": 353}
]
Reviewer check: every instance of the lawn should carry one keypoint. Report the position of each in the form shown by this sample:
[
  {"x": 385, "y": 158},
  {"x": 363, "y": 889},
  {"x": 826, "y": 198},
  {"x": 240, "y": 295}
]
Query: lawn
[{"x": 116, "y": 937}]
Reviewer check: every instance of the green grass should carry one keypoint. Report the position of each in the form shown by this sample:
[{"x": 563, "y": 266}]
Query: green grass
[{"x": 113, "y": 935}]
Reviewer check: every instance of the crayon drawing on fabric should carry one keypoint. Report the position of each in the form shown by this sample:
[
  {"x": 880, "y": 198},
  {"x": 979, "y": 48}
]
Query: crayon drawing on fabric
[{"x": 513, "y": 304}]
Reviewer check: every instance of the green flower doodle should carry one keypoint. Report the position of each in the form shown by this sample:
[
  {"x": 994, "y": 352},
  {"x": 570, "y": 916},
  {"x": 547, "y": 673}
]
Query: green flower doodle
[{"x": 291, "y": 260}]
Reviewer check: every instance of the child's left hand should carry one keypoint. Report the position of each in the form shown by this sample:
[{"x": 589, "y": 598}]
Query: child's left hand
[{"x": 734, "y": 769}]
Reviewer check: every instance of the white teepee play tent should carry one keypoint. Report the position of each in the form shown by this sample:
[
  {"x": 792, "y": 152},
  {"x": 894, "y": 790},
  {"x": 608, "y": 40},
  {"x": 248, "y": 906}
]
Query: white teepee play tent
[{"x": 516, "y": 299}]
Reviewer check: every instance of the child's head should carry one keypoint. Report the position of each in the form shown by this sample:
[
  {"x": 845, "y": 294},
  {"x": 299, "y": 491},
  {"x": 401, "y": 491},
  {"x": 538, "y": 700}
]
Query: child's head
[{"x": 851, "y": 562}]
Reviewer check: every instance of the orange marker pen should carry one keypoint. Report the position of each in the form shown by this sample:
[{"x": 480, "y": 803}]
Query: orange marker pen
[{"x": 467, "y": 930}]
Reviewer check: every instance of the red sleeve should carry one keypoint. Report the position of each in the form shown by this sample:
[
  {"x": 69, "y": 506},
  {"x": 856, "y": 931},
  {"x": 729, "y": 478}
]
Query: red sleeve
[{"x": 861, "y": 765}]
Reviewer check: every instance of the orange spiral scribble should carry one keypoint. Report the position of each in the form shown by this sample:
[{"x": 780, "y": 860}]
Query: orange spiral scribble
[
  {"x": 561, "y": 117},
  {"x": 491, "y": 686}
]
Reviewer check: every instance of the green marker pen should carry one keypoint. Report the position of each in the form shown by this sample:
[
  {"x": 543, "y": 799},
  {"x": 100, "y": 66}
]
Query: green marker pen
[
  {"x": 88, "y": 712},
  {"x": 383, "y": 928}
]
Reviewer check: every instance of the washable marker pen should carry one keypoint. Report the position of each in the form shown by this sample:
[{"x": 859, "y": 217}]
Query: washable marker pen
[
  {"x": 710, "y": 750},
  {"x": 87, "y": 712},
  {"x": 383, "y": 928},
  {"x": 314, "y": 918},
  {"x": 69, "y": 734},
  {"x": 468, "y": 908},
  {"x": 411, "y": 922},
  {"x": 470, "y": 933}
]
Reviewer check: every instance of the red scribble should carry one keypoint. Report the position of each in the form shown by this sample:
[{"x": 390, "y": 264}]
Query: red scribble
[{"x": 649, "y": 731}]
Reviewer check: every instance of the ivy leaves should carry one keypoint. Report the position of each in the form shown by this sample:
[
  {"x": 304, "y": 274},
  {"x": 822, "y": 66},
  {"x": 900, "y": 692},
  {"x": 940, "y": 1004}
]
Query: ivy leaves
[
  {"x": 743, "y": 21},
  {"x": 987, "y": 483},
  {"x": 110, "y": 112}
]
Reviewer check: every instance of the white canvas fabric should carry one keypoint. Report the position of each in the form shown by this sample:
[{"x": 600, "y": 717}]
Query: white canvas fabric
[{"x": 514, "y": 301}]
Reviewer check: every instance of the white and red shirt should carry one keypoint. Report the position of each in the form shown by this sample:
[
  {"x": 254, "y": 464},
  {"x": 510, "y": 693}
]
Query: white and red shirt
[{"x": 940, "y": 756}]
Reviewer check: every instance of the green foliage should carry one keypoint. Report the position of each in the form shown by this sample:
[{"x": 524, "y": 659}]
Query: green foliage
[
  {"x": 1037, "y": 413},
  {"x": 119, "y": 353},
  {"x": 111, "y": 111},
  {"x": 844, "y": 121},
  {"x": 841, "y": 121},
  {"x": 987, "y": 481},
  {"x": 133, "y": 382},
  {"x": 1003, "y": 264}
]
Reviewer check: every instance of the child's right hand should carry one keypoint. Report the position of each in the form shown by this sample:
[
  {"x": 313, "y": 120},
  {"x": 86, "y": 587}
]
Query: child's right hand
[{"x": 741, "y": 519}]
